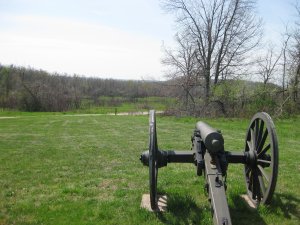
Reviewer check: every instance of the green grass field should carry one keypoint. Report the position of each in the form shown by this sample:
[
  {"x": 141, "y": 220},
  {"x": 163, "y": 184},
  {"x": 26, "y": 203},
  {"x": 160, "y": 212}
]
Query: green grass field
[
  {"x": 64, "y": 169},
  {"x": 111, "y": 105}
]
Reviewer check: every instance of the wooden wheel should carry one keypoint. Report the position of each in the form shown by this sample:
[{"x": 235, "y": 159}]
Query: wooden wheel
[
  {"x": 261, "y": 168},
  {"x": 153, "y": 163}
]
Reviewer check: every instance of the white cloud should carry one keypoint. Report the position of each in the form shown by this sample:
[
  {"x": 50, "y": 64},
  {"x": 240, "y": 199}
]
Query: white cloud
[{"x": 75, "y": 47}]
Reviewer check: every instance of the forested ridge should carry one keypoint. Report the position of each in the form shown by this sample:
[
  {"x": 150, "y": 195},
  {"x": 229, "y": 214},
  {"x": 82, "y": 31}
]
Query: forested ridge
[{"x": 28, "y": 89}]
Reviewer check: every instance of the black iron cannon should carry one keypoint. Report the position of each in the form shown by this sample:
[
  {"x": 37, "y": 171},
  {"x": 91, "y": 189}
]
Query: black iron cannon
[{"x": 260, "y": 160}]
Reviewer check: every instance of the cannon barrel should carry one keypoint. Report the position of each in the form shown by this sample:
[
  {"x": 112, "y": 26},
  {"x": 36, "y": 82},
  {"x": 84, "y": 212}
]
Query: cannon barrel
[{"x": 212, "y": 138}]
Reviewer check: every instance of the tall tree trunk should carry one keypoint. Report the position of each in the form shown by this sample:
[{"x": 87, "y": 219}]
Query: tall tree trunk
[{"x": 207, "y": 86}]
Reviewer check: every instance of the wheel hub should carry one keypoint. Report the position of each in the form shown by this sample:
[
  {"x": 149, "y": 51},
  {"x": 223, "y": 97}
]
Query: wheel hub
[{"x": 251, "y": 158}]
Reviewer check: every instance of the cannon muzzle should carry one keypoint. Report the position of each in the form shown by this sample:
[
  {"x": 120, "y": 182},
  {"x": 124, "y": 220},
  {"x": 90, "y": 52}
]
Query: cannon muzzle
[{"x": 212, "y": 138}]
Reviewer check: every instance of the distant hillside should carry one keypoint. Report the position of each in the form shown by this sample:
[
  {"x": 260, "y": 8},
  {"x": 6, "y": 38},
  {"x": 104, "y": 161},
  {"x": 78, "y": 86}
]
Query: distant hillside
[
  {"x": 29, "y": 89},
  {"x": 37, "y": 90}
]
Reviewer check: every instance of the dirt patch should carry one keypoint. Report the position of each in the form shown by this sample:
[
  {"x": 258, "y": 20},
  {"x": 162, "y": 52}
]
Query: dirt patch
[{"x": 110, "y": 184}]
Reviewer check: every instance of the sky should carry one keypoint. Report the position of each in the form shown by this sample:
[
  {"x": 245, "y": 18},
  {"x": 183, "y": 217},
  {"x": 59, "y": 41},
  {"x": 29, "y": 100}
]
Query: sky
[{"x": 119, "y": 39}]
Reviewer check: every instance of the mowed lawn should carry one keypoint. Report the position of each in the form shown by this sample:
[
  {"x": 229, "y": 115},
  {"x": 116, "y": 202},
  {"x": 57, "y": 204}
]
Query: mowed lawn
[{"x": 85, "y": 169}]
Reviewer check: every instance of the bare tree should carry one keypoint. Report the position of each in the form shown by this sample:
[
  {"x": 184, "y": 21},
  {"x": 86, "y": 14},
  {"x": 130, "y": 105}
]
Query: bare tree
[
  {"x": 295, "y": 70},
  {"x": 222, "y": 31},
  {"x": 268, "y": 64},
  {"x": 286, "y": 37},
  {"x": 182, "y": 65},
  {"x": 295, "y": 58}
]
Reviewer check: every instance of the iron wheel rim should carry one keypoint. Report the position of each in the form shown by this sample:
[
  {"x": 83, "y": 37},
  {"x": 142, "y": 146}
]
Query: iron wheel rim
[
  {"x": 153, "y": 167},
  {"x": 261, "y": 172}
]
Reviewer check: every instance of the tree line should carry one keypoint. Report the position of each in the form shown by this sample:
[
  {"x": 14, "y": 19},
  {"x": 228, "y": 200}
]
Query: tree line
[{"x": 29, "y": 89}]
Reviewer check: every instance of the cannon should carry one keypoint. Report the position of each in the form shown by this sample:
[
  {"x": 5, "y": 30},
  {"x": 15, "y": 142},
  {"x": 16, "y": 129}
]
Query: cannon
[{"x": 260, "y": 160}]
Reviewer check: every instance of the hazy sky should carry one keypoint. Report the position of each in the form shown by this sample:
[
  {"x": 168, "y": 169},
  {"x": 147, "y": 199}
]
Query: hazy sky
[{"x": 119, "y": 39}]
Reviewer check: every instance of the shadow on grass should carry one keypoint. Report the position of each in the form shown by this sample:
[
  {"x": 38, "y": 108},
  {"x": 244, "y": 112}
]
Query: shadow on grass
[
  {"x": 242, "y": 214},
  {"x": 288, "y": 204},
  {"x": 181, "y": 210}
]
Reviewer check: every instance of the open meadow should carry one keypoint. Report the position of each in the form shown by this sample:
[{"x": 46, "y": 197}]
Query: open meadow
[{"x": 85, "y": 169}]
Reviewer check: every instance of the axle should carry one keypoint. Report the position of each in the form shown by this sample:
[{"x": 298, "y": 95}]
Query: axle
[
  {"x": 171, "y": 156},
  {"x": 165, "y": 157}
]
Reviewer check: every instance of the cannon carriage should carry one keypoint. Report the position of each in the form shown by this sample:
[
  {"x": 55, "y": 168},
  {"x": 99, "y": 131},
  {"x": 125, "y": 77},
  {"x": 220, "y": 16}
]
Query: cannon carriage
[{"x": 260, "y": 160}]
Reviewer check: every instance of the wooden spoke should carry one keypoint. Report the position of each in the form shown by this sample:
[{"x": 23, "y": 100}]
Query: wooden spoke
[
  {"x": 260, "y": 132},
  {"x": 256, "y": 131},
  {"x": 262, "y": 185},
  {"x": 253, "y": 186},
  {"x": 263, "y": 172},
  {"x": 264, "y": 150},
  {"x": 256, "y": 189},
  {"x": 252, "y": 139},
  {"x": 264, "y": 161},
  {"x": 249, "y": 144},
  {"x": 262, "y": 141},
  {"x": 247, "y": 171}
]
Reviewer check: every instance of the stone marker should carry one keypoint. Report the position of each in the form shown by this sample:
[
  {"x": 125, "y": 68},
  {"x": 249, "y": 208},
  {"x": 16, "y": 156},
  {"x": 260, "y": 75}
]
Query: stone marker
[
  {"x": 248, "y": 201},
  {"x": 162, "y": 203}
]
